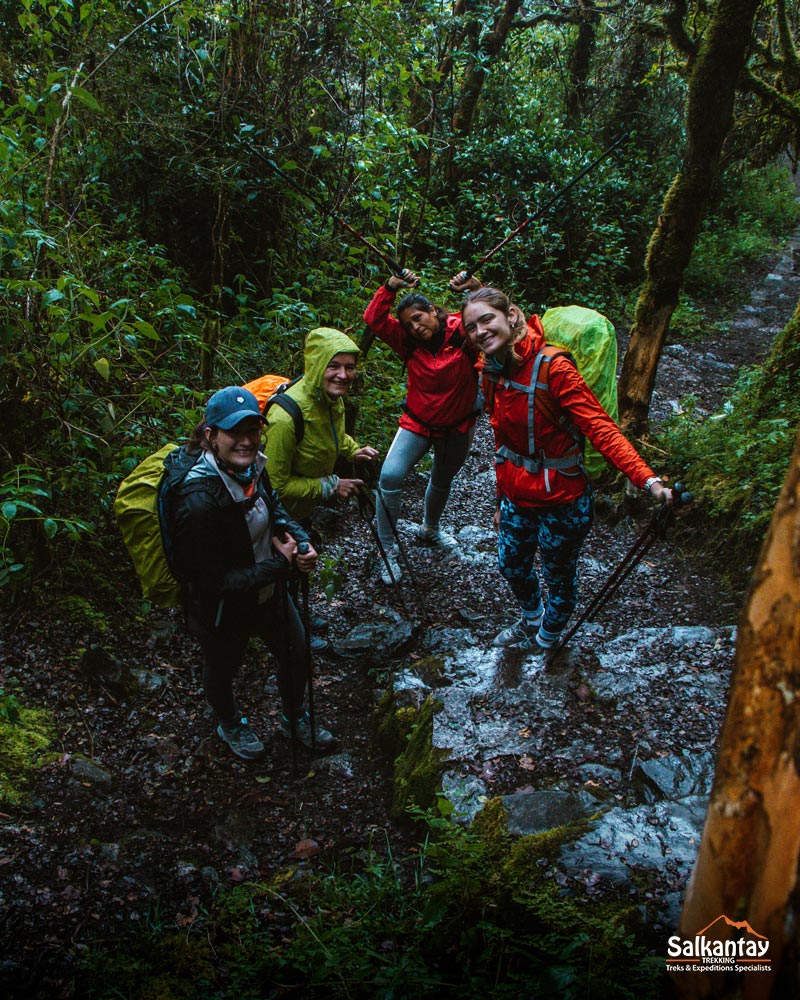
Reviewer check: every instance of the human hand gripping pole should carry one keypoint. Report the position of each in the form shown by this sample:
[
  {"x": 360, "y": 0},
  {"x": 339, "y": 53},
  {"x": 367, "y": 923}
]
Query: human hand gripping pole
[{"x": 660, "y": 521}]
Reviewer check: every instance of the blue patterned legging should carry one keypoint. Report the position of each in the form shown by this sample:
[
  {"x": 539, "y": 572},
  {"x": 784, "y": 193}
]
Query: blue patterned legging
[{"x": 558, "y": 533}]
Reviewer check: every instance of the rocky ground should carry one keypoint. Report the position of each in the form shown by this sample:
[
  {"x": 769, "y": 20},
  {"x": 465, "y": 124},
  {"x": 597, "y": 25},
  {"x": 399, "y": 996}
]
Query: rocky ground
[{"x": 140, "y": 809}]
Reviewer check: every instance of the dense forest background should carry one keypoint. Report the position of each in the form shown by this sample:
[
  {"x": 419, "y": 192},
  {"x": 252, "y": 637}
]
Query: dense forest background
[{"x": 174, "y": 181}]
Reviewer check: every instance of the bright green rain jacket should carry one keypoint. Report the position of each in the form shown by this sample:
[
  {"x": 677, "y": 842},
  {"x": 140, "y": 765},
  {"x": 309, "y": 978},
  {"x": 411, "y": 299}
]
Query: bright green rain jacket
[{"x": 295, "y": 469}]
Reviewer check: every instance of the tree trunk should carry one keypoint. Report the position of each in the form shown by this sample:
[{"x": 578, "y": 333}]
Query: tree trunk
[
  {"x": 709, "y": 113},
  {"x": 580, "y": 62},
  {"x": 475, "y": 75},
  {"x": 747, "y": 863}
]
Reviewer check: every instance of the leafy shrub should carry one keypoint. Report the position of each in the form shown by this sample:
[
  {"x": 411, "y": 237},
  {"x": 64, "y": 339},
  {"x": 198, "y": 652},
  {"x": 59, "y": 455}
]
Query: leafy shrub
[
  {"x": 469, "y": 912},
  {"x": 757, "y": 206},
  {"x": 736, "y": 460}
]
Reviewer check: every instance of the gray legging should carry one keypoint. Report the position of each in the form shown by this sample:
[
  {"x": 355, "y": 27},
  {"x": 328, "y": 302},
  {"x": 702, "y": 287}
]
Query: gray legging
[{"x": 449, "y": 454}]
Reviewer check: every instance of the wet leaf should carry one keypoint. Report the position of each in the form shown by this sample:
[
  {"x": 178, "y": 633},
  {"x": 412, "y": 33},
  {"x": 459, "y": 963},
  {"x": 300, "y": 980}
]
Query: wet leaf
[{"x": 305, "y": 849}]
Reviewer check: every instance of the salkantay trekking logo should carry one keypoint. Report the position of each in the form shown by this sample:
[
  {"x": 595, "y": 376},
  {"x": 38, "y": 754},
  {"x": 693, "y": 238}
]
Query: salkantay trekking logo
[{"x": 747, "y": 953}]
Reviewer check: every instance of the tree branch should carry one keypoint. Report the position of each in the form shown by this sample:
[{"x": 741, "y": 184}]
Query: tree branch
[
  {"x": 131, "y": 33},
  {"x": 779, "y": 102}
]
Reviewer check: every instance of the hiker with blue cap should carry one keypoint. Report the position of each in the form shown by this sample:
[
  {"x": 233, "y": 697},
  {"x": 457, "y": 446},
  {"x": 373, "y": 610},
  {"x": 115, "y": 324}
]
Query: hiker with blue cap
[{"x": 235, "y": 549}]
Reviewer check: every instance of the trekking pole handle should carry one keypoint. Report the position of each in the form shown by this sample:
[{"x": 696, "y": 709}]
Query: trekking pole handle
[
  {"x": 303, "y": 547},
  {"x": 681, "y": 497}
]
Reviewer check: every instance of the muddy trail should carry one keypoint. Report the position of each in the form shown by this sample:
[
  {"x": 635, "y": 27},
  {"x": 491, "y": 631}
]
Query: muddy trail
[{"x": 139, "y": 808}]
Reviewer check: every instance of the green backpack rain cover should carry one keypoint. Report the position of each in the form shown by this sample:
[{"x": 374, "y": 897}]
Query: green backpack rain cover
[
  {"x": 139, "y": 511},
  {"x": 590, "y": 338}
]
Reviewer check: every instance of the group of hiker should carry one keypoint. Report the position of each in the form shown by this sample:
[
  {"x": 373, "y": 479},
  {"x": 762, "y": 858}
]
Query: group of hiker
[{"x": 241, "y": 516}]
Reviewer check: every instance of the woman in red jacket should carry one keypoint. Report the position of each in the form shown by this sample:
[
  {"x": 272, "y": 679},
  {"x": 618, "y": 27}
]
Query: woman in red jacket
[
  {"x": 544, "y": 498},
  {"x": 439, "y": 411}
]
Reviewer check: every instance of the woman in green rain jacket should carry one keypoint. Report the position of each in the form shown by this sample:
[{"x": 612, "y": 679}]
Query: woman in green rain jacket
[{"x": 301, "y": 472}]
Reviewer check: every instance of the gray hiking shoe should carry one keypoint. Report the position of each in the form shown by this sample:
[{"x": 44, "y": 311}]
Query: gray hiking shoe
[
  {"x": 520, "y": 635},
  {"x": 302, "y": 732},
  {"x": 437, "y": 537},
  {"x": 241, "y": 739},
  {"x": 390, "y": 569}
]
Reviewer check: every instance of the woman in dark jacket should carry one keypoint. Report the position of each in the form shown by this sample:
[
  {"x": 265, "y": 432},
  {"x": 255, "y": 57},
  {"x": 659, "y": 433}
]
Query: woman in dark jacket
[
  {"x": 439, "y": 412},
  {"x": 234, "y": 550}
]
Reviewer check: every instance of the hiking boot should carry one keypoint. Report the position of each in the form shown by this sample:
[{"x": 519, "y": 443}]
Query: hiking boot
[
  {"x": 390, "y": 569},
  {"x": 437, "y": 537},
  {"x": 521, "y": 634},
  {"x": 241, "y": 739},
  {"x": 302, "y": 732},
  {"x": 546, "y": 640},
  {"x": 317, "y": 623}
]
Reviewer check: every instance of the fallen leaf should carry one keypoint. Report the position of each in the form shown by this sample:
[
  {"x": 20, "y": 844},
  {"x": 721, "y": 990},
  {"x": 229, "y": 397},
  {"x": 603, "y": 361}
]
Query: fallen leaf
[{"x": 305, "y": 849}]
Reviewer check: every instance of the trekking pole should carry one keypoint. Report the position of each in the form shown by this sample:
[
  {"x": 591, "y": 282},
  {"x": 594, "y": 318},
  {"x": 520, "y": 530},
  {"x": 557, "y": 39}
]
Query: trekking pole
[
  {"x": 540, "y": 211},
  {"x": 302, "y": 548},
  {"x": 292, "y": 715},
  {"x": 656, "y": 528}
]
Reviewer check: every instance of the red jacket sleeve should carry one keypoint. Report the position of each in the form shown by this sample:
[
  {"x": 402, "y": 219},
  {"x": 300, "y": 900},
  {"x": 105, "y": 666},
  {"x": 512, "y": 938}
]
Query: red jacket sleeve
[
  {"x": 378, "y": 317},
  {"x": 575, "y": 396}
]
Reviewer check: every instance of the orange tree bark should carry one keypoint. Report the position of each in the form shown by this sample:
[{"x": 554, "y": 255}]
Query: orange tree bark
[
  {"x": 709, "y": 114},
  {"x": 748, "y": 857}
]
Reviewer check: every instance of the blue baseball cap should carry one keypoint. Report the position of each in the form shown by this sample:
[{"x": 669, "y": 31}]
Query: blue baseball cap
[{"x": 230, "y": 406}]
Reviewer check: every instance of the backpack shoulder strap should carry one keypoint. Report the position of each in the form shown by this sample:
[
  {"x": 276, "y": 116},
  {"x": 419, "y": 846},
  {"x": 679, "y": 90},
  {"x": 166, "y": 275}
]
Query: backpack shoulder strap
[
  {"x": 290, "y": 405},
  {"x": 544, "y": 400}
]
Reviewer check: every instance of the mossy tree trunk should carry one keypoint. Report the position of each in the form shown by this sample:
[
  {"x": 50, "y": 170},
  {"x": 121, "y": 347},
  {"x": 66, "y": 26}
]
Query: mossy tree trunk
[
  {"x": 580, "y": 62},
  {"x": 489, "y": 48},
  {"x": 709, "y": 114},
  {"x": 780, "y": 372},
  {"x": 748, "y": 857}
]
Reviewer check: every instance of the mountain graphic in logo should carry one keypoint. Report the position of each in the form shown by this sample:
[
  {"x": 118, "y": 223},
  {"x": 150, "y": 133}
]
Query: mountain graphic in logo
[{"x": 739, "y": 925}]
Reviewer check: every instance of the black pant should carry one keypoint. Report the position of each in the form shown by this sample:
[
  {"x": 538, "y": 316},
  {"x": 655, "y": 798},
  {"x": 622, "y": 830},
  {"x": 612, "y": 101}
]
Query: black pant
[{"x": 278, "y": 625}]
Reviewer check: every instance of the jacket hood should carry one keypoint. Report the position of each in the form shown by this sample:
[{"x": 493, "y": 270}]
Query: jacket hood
[
  {"x": 321, "y": 345},
  {"x": 528, "y": 344}
]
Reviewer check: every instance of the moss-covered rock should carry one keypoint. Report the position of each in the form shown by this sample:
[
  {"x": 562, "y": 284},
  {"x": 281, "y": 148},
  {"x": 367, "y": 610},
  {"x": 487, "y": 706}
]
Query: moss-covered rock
[
  {"x": 25, "y": 734},
  {"x": 418, "y": 769}
]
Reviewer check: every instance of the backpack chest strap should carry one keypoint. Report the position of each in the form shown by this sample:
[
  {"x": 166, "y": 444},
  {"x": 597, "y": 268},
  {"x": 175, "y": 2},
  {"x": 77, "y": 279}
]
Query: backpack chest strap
[{"x": 530, "y": 391}]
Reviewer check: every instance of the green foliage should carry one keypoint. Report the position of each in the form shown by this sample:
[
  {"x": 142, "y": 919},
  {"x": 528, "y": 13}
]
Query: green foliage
[
  {"x": 756, "y": 207},
  {"x": 24, "y": 494},
  {"x": 470, "y": 913},
  {"x": 736, "y": 461},
  {"x": 331, "y": 571}
]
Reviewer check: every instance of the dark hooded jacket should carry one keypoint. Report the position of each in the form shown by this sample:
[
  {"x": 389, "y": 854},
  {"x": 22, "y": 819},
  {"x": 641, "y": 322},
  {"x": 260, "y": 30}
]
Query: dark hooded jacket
[{"x": 221, "y": 581}]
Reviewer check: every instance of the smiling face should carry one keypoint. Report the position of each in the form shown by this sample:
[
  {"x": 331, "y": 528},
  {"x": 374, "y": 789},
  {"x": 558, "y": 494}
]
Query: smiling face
[
  {"x": 339, "y": 375},
  {"x": 490, "y": 329},
  {"x": 418, "y": 322},
  {"x": 236, "y": 448}
]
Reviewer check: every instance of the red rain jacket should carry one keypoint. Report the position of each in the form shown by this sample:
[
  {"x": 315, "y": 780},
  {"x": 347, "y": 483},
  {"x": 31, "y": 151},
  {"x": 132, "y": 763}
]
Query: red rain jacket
[
  {"x": 441, "y": 387},
  {"x": 509, "y": 419}
]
